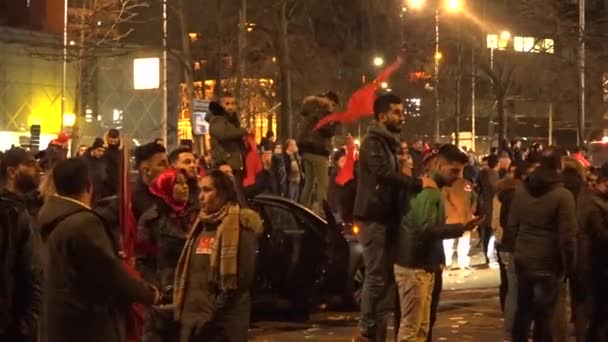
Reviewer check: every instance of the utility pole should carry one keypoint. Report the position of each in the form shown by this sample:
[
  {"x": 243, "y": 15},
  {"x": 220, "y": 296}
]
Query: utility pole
[
  {"x": 165, "y": 100},
  {"x": 473, "y": 109},
  {"x": 64, "y": 64},
  {"x": 582, "y": 114},
  {"x": 242, "y": 42},
  {"x": 437, "y": 60},
  {"x": 458, "y": 87}
]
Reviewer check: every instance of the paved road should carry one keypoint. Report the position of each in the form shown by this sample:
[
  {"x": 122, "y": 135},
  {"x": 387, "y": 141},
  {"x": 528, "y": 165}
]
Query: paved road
[{"x": 469, "y": 311}]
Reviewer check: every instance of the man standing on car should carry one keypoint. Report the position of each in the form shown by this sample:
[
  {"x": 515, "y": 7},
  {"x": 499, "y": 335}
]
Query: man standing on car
[{"x": 378, "y": 212}]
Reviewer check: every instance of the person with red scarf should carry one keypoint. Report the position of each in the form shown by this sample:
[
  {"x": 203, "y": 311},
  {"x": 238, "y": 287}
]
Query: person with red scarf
[{"x": 162, "y": 233}]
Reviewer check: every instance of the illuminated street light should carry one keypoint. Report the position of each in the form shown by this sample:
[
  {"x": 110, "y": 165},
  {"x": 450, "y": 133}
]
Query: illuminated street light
[
  {"x": 505, "y": 35},
  {"x": 384, "y": 85},
  {"x": 438, "y": 56},
  {"x": 415, "y": 4},
  {"x": 453, "y": 5},
  {"x": 378, "y": 61}
]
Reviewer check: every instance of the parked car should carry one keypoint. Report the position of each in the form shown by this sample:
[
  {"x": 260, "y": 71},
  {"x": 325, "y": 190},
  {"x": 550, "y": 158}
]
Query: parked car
[{"x": 304, "y": 259}]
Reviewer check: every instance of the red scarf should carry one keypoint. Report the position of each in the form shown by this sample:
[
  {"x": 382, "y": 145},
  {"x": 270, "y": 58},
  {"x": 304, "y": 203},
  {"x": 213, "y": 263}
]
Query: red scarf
[
  {"x": 253, "y": 162},
  {"x": 162, "y": 187}
]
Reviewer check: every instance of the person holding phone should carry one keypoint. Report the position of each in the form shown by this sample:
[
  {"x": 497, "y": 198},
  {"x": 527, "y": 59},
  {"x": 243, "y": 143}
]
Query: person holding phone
[{"x": 419, "y": 253}]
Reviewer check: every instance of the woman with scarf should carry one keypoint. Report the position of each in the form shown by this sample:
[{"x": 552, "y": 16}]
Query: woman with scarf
[
  {"x": 162, "y": 233},
  {"x": 216, "y": 268}
]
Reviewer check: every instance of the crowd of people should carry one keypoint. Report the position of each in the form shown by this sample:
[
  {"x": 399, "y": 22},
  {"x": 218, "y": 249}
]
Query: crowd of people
[{"x": 88, "y": 255}]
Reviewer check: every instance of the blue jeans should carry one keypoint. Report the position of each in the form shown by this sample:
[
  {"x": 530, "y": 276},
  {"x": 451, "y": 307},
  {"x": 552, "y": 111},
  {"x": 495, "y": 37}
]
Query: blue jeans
[
  {"x": 293, "y": 191},
  {"x": 378, "y": 291}
]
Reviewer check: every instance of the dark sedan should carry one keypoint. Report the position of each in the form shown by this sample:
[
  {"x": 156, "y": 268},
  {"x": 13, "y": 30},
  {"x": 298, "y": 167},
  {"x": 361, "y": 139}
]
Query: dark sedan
[{"x": 304, "y": 260}]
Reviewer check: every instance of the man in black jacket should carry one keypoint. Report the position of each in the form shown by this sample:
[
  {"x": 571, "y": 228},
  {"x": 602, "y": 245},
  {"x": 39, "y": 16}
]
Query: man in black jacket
[
  {"x": 150, "y": 161},
  {"x": 378, "y": 211},
  {"x": 543, "y": 219},
  {"x": 20, "y": 270}
]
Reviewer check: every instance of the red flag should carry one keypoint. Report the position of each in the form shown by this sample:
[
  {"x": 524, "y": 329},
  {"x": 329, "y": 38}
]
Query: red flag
[
  {"x": 347, "y": 173},
  {"x": 253, "y": 162},
  {"x": 129, "y": 237},
  {"x": 361, "y": 102}
]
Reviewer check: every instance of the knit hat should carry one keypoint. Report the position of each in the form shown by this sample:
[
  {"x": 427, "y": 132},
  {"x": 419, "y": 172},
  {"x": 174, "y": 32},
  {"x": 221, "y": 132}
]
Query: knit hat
[
  {"x": 63, "y": 138},
  {"x": 97, "y": 143}
]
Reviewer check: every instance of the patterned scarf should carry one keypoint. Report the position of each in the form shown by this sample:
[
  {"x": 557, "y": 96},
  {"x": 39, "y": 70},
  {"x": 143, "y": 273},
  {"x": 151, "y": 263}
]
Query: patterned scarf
[{"x": 224, "y": 253}]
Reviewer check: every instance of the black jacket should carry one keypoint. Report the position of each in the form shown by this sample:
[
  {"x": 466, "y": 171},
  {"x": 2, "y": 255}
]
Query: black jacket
[
  {"x": 543, "y": 219},
  {"x": 311, "y": 140},
  {"x": 505, "y": 193},
  {"x": 113, "y": 158},
  {"x": 141, "y": 199},
  {"x": 99, "y": 171},
  {"x": 87, "y": 289},
  {"x": 227, "y": 143},
  {"x": 592, "y": 235},
  {"x": 20, "y": 273},
  {"x": 379, "y": 180}
]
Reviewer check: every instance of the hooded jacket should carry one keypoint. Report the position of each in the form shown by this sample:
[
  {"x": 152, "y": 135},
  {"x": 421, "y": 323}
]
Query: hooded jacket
[
  {"x": 379, "y": 181},
  {"x": 543, "y": 220},
  {"x": 87, "y": 290},
  {"x": 311, "y": 140},
  {"x": 227, "y": 144}
]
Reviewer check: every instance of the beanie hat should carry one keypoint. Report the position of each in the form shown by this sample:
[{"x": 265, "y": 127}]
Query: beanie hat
[{"x": 97, "y": 143}]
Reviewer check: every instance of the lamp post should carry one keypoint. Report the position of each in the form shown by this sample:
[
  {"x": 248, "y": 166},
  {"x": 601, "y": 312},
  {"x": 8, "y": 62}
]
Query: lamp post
[
  {"x": 64, "y": 64},
  {"x": 165, "y": 101},
  {"x": 582, "y": 67}
]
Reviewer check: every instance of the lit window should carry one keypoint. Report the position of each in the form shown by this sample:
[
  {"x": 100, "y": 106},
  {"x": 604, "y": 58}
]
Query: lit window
[
  {"x": 523, "y": 44},
  {"x": 146, "y": 73},
  {"x": 534, "y": 45},
  {"x": 492, "y": 41}
]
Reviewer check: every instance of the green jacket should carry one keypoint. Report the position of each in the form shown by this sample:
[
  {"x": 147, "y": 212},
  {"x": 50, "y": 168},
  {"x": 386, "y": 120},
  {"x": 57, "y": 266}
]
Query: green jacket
[{"x": 422, "y": 229}]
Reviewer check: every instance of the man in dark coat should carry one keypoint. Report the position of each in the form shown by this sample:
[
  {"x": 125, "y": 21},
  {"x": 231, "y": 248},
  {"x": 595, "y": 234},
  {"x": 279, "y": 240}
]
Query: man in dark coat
[
  {"x": 488, "y": 180},
  {"x": 379, "y": 182},
  {"x": 543, "y": 219},
  {"x": 150, "y": 161},
  {"x": 315, "y": 145},
  {"x": 227, "y": 135},
  {"x": 113, "y": 157},
  {"x": 98, "y": 169},
  {"x": 20, "y": 268},
  {"x": 87, "y": 289}
]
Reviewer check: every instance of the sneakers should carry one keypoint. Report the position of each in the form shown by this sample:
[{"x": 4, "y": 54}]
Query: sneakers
[
  {"x": 494, "y": 265},
  {"x": 467, "y": 272}
]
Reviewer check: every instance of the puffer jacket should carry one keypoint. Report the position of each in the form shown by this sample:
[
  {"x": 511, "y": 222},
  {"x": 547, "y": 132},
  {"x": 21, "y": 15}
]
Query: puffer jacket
[
  {"x": 379, "y": 181},
  {"x": 311, "y": 140},
  {"x": 227, "y": 144},
  {"x": 422, "y": 230},
  {"x": 543, "y": 219}
]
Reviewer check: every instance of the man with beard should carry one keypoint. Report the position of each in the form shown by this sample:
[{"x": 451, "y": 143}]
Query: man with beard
[
  {"x": 22, "y": 179},
  {"x": 227, "y": 135},
  {"x": 98, "y": 168},
  {"x": 378, "y": 211},
  {"x": 20, "y": 267},
  {"x": 150, "y": 161},
  {"x": 113, "y": 158},
  {"x": 183, "y": 159}
]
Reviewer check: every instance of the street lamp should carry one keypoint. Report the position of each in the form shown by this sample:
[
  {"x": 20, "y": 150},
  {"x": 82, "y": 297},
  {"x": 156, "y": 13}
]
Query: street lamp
[
  {"x": 415, "y": 4},
  {"x": 453, "y": 5},
  {"x": 384, "y": 85},
  {"x": 505, "y": 35},
  {"x": 378, "y": 61}
]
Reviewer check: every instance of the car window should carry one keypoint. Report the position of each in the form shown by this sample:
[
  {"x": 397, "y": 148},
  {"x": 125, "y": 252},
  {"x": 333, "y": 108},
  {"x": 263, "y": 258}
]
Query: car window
[{"x": 280, "y": 218}]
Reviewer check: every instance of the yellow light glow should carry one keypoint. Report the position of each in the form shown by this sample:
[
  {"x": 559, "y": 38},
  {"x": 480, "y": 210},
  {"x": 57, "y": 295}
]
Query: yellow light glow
[
  {"x": 453, "y": 5},
  {"x": 274, "y": 59},
  {"x": 378, "y": 61},
  {"x": 356, "y": 230},
  {"x": 505, "y": 35},
  {"x": 438, "y": 56},
  {"x": 193, "y": 36},
  {"x": 384, "y": 85},
  {"x": 416, "y": 4},
  {"x": 69, "y": 119},
  {"x": 146, "y": 73}
]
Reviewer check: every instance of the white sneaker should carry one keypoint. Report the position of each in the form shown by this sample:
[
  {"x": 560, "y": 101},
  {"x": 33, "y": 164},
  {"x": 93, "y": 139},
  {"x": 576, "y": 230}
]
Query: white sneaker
[
  {"x": 494, "y": 265},
  {"x": 467, "y": 272}
]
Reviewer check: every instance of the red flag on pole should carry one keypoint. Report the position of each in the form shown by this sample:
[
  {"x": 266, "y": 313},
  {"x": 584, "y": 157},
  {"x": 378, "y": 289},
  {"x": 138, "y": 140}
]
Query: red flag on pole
[
  {"x": 347, "y": 173},
  {"x": 361, "y": 102}
]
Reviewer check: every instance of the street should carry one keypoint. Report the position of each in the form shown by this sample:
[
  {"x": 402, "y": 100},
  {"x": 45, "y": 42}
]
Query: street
[{"x": 469, "y": 310}]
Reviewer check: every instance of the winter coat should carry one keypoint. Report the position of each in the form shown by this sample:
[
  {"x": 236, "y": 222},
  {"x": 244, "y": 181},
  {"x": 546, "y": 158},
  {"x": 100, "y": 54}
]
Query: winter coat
[
  {"x": 113, "y": 158},
  {"x": 99, "y": 171},
  {"x": 265, "y": 183},
  {"x": 141, "y": 199},
  {"x": 107, "y": 209},
  {"x": 210, "y": 314},
  {"x": 594, "y": 211},
  {"x": 500, "y": 213},
  {"x": 543, "y": 219},
  {"x": 20, "y": 273},
  {"x": 311, "y": 140},
  {"x": 280, "y": 173},
  {"x": 87, "y": 289},
  {"x": 422, "y": 230},
  {"x": 227, "y": 144},
  {"x": 379, "y": 181},
  {"x": 488, "y": 180}
]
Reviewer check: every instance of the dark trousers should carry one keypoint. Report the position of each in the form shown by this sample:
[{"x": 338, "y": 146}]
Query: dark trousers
[
  {"x": 540, "y": 299},
  {"x": 598, "y": 327},
  {"x": 504, "y": 283},
  {"x": 379, "y": 284},
  {"x": 437, "y": 287}
]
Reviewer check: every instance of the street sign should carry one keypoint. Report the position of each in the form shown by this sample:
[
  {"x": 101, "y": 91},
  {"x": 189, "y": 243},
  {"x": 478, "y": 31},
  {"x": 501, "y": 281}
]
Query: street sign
[{"x": 200, "y": 109}]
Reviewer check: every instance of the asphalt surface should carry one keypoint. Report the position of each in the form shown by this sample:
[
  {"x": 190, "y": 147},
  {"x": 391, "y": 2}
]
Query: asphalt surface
[{"x": 469, "y": 310}]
